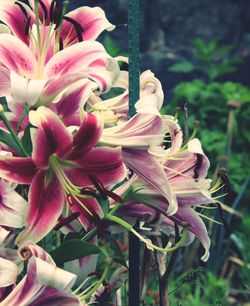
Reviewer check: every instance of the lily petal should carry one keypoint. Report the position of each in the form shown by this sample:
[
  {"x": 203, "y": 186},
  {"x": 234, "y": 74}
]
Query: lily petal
[
  {"x": 11, "y": 14},
  {"x": 8, "y": 272},
  {"x": 87, "y": 136},
  {"x": 16, "y": 56},
  {"x": 51, "y": 136},
  {"x": 196, "y": 226},
  {"x": 72, "y": 101},
  {"x": 150, "y": 170},
  {"x": 103, "y": 163},
  {"x": 46, "y": 204},
  {"x": 40, "y": 275},
  {"x": 143, "y": 130},
  {"x": 92, "y": 20},
  {"x": 17, "y": 169},
  {"x": 77, "y": 58},
  {"x": 13, "y": 207},
  {"x": 51, "y": 296}
]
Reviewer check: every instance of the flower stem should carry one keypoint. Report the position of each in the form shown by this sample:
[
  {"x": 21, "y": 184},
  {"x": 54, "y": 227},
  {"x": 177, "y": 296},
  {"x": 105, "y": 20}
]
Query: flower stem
[
  {"x": 12, "y": 132},
  {"x": 98, "y": 284}
]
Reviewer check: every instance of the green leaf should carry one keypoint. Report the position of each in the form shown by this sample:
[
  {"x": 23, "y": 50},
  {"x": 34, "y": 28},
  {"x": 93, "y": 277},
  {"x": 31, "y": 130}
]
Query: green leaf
[
  {"x": 73, "y": 249},
  {"x": 7, "y": 139},
  {"x": 182, "y": 67},
  {"x": 26, "y": 140}
]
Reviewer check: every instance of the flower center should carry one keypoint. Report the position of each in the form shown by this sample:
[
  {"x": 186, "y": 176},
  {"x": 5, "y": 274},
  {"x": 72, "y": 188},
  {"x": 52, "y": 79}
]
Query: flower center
[{"x": 73, "y": 192}]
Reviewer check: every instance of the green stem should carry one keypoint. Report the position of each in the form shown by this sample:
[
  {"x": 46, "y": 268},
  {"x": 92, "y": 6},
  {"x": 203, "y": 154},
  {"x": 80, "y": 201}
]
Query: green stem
[
  {"x": 13, "y": 133},
  {"x": 148, "y": 243},
  {"x": 92, "y": 291}
]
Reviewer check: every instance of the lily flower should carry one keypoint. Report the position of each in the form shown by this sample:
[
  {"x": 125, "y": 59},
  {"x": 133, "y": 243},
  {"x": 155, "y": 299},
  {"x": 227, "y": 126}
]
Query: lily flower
[
  {"x": 186, "y": 171},
  {"x": 115, "y": 110},
  {"x": 43, "y": 284},
  {"x": 31, "y": 80},
  {"x": 60, "y": 167}
]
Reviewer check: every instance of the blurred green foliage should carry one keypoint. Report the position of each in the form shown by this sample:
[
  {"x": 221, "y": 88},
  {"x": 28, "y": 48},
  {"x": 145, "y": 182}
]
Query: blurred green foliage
[{"x": 210, "y": 59}]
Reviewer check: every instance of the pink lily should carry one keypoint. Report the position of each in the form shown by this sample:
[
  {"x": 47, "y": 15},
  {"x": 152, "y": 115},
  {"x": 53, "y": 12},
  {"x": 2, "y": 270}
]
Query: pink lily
[
  {"x": 59, "y": 169},
  {"x": 44, "y": 283},
  {"x": 32, "y": 80},
  {"x": 186, "y": 172}
]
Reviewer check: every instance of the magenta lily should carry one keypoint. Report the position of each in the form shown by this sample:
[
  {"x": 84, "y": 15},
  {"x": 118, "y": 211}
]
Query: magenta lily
[{"x": 59, "y": 169}]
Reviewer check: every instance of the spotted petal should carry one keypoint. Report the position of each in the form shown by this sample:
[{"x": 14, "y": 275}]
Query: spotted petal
[{"x": 16, "y": 56}]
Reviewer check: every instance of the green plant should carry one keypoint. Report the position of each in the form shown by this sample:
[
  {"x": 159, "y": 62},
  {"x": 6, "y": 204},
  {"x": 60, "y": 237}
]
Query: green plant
[{"x": 210, "y": 58}]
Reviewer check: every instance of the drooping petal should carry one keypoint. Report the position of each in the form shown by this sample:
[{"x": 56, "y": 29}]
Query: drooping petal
[
  {"x": 87, "y": 136},
  {"x": 13, "y": 207},
  {"x": 92, "y": 21},
  {"x": 16, "y": 56},
  {"x": 195, "y": 225},
  {"x": 12, "y": 15},
  {"x": 50, "y": 137},
  {"x": 103, "y": 163},
  {"x": 17, "y": 169},
  {"x": 143, "y": 130},
  {"x": 150, "y": 170},
  {"x": 46, "y": 200}
]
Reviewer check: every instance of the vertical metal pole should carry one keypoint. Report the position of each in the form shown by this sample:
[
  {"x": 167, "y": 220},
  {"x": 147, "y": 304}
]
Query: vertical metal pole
[
  {"x": 134, "y": 53},
  {"x": 134, "y": 95}
]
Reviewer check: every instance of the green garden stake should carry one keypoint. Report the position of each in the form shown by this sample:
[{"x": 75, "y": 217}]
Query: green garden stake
[{"x": 134, "y": 95}]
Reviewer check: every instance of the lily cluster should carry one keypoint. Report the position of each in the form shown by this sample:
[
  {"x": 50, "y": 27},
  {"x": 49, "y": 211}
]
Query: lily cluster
[{"x": 73, "y": 159}]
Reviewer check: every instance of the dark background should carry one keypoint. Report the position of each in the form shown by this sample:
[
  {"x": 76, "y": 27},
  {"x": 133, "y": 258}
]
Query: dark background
[{"x": 168, "y": 27}]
